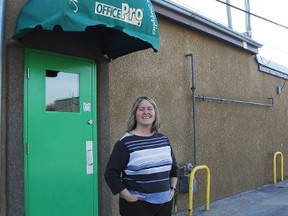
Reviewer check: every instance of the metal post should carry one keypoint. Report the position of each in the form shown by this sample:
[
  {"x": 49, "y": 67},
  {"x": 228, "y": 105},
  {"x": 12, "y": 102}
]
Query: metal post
[
  {"x": 281, "y": 168},
  {"x": 248, "y": 18},
  {"x": 2, "y": 18},
  {"x": 208, "y": 185},
  {"x": 194, "y": 109},
  {"x": 2, "y": 175},
  {"x": 229, "y": 17}
]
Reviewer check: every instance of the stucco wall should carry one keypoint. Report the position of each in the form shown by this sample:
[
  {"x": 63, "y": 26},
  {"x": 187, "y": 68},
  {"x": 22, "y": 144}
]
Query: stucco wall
[{"x": 235, "y": 141}]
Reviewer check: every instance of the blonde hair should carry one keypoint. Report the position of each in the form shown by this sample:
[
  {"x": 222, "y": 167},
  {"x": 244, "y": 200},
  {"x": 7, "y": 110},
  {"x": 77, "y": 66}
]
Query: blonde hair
[{"x": 132, "y": 123}]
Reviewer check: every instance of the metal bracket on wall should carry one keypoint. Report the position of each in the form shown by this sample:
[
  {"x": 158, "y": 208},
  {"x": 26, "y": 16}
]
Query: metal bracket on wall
[{"x": 236, "y": 101}]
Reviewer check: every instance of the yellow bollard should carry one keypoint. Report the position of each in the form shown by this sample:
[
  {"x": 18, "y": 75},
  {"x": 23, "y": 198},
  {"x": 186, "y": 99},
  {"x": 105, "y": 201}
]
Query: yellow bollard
[
  {"x": 274, "y": 166},
  {"x": 190, "y": 198}
]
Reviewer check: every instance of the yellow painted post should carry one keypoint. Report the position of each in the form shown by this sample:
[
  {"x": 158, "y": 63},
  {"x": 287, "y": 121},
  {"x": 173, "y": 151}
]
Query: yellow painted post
[
  {"x": 190, "y": 198},
  {"x": 281, "y": 168}
]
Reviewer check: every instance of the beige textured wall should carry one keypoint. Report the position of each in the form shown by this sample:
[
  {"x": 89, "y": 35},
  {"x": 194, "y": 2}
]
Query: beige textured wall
[{"x": 235, "y": 141}]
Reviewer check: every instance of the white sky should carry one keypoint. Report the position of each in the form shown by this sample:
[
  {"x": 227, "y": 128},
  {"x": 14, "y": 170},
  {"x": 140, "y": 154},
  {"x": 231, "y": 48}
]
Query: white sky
[{"x": 274, "y": 38}]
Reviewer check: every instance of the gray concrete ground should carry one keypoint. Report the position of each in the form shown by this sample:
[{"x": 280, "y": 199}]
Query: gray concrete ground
[{"x": 267, "y": 200}]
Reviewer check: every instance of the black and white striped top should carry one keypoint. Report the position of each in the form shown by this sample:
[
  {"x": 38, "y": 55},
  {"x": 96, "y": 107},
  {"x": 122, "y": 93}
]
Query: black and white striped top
[{"x": 143, "y": 165}]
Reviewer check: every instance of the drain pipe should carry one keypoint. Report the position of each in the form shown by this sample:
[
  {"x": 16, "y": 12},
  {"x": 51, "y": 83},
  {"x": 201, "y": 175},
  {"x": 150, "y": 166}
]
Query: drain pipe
[
  {"x": 236, "y": 101},
  {"x": 2, "y": 18},
  {"x": 194, "y": 108}
]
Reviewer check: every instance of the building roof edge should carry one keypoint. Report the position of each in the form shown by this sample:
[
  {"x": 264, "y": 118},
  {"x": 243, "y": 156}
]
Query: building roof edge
[{"x": 191, "y": 19}]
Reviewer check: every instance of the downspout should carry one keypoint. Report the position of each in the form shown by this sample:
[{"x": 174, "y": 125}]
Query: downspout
[
  {"x": 194, "y": 109},
  {"x": 2, "y": 18}
]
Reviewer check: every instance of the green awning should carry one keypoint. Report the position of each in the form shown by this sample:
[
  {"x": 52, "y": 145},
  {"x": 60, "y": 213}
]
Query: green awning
[{"x": 126, "y": 25}]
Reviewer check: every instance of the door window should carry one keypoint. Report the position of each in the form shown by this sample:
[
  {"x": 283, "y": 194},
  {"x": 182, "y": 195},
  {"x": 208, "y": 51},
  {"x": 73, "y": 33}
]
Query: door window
[{"x": 62, "y": 91}]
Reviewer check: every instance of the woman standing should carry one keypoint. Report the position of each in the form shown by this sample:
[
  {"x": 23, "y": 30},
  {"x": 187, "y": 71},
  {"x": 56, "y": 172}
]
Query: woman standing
[{"x": 142, "y": 168}]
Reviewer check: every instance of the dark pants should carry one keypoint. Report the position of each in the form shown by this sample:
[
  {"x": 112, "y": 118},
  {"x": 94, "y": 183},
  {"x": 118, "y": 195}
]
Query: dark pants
[{"x": 141, "y": 208}]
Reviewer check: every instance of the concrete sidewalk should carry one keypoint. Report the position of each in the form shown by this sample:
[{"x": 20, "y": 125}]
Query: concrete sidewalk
[{"x": 267, "y": 200}]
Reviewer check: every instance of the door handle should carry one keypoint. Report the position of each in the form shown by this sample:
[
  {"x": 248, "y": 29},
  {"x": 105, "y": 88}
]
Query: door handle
[
  {"x": 89, "y": 157},
  {"x": 90, "y": 121}
]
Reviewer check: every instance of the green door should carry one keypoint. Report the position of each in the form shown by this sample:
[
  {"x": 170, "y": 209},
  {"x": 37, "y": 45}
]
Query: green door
[{"x": 60, "y": 136}]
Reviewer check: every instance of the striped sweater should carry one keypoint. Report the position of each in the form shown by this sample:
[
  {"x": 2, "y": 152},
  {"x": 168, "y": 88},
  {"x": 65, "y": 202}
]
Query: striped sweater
[{"x": 143, "y": 165}]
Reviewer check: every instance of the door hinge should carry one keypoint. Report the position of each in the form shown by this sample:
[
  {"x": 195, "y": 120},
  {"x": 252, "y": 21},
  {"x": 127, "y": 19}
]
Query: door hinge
[
  {"x": 27, "y": 148},
  {"x": 28, "y": 73}
]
